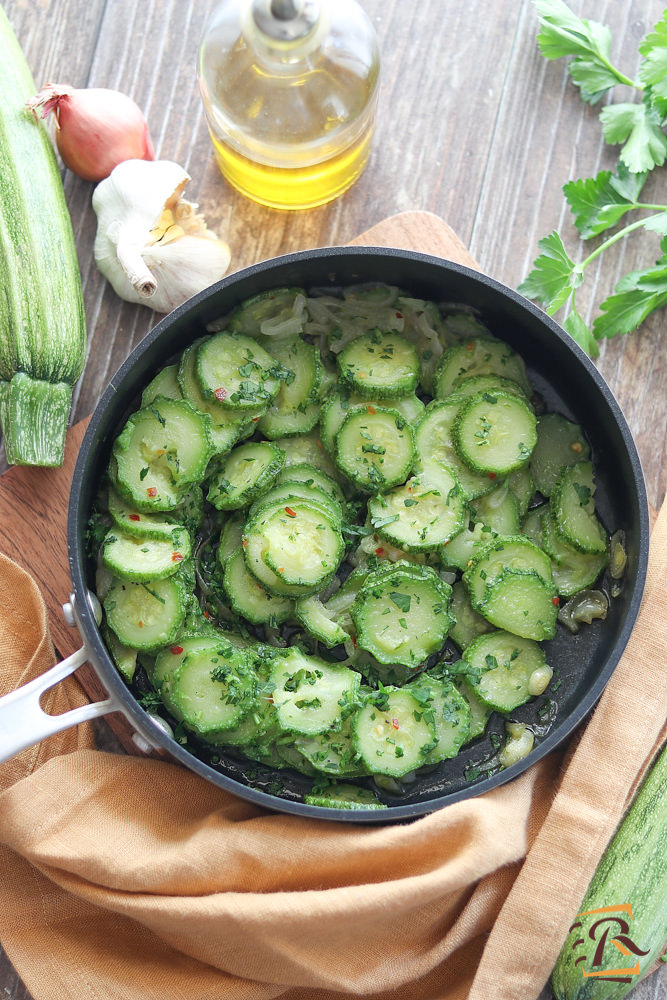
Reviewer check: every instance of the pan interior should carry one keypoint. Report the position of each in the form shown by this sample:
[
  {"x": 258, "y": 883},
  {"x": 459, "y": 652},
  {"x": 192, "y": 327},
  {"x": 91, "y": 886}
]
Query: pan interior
[{"x": 568, "y": 383}]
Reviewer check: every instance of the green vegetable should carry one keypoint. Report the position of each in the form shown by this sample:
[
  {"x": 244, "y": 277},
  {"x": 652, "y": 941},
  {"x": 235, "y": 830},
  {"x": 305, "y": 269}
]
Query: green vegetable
[
  {"x": 42, "y": 324},
  {"x": 599, "y": 203},
  {"x": 632, "y": 873}
]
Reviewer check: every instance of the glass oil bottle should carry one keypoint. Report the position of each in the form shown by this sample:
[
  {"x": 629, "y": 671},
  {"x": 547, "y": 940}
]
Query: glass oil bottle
[{"x": 290, "y": 91}]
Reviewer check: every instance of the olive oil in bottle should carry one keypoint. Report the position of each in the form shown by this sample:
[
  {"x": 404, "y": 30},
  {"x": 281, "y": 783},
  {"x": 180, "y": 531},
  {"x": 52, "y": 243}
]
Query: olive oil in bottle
[{"x": 290, "y": 90}]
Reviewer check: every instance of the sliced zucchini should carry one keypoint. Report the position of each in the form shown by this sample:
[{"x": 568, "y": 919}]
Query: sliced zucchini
[
  {"x": 522, "y": 486},
  {"x": 344, "y": 796},
  {"x": 214, "y": 688},
  {"x": 503, "y": 552},
  {"x": 468, "y": 623},
  {"x": 560, "y": 443},
  {"x": 144, "y": 559},
  {"x": 124, "y": 657},
  {"x": 341, "y": 401},
  {"x": 278, "y": 313},
  {"x": 451, "y": 714},
  {"x": 374, "y": 448},
  {"x": 247, "y": 472},
  {"x": 478, "y": 356},
  {"x": 460, "y": 551},
  {"x": 333, "y": 752},
  {"x": 165, "y": 384},
  {"x": 311, "y": 695},
  {"x": 394, "y": 733},
  {"x": 307, "y": 448},
  {"x": 169, "y": 659},
  {"x": 303, "y": 546},
  {"x": 309, "y": 475},
  {"x": 247, "y": 597},
  {"x": 573, "y": 510},
  {"x": 226, "y": 427},
  {"x": 317, "y": 621},
  {"x": 379, "y": 365},
  {"x": 494, "y": 432},
  {"x": 434, "y": 448},
  {"x": 501, "y": 667},
  {"x": 401, "y": 614},
  {"x": 498, "y": 510},
  {"x": 295, "y": 409},
  {"x": 231, "y": 537},
  {"x": 480, "y": 713},
  {"x": 531, "y": 526},
  {"x": 572, "y": 570},
  {"x": 470, "y": 385},
  {"x": 522, "y": 602},
  {"x": 133, "y": 522},
  {"x": 235, "y": 370},
  {"x": 162, "y": 450},
  {"x": 283, "y": 494},
  {"x": 146, "y": 616},
  {"x": 421, "y": 515}
]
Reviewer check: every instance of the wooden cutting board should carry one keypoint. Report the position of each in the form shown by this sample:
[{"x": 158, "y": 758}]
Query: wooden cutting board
[{"x": 33, "y": 502}]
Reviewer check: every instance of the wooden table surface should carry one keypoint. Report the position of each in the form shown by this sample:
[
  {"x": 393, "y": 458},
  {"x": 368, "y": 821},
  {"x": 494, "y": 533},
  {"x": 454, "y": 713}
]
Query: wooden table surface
[{"x": 473, "y": 125}]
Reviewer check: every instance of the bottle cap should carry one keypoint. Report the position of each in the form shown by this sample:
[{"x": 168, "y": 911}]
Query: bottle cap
[{"x": 285, "y": 20}]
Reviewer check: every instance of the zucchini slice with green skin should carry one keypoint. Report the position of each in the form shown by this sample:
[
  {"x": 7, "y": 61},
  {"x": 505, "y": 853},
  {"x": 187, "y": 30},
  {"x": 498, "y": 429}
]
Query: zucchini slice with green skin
[
  {"x": 247, "y": 597},
  {"x": 480, "y": 713},
  {"x": 478, "y": 356},
  {"x": 572, "y": 570},
  {"x": 421, "y": 515},
  {"x": 169, "y": 659},
  {"x": 522, "y": 602},
  {"x": 498, "y": 510},
  {"x": 162, "y": 451},
  {"x": 146, "y": 616},
  {"x": 144, "y": 559},
  {"x": 333, "y": 752},
  {"x": 394, "y": 733},
  {"x": 214, "y": 688},
  {"x": 501, "y": 553},
  {"x": 310, "y": 475},
  {"x": 468, "y": 623},
  {"x": 283, "y": 494},
  {"x": 226, "y": 427},
  {"x": 303, "y": 547},
  {"x": 461, "y": 551},
  {"x": 340, "y": 402},
  {"x": 451, "y": 714},
  {"x": 124, "y": 657},
  {"x": 231, "y": 537},
  {"x": 374, "y": 448},
  {"x": 310, "y": 694},
  {"x": 277, "y": 313},
  {"x": 344, "y": 796},
  {"x": 136, "y": 523},
  {"x": 560, "y": 442},
  {"x": 165, "y": 383},
  {"x": 501, "y": 668},
  {"x": 295, "y": 409},
  {"x": 470, "y": 385},
  {"x": 307, "y": 448},
  {"x": 380, "y": 365},
  {"x": 494, "y": 432},
  {"x": 434, "y": 447},
  {"x": 236, "y": 371},
  {"x": 401, "y": 614},
  {"x": 315, "y": 618},
  {"x": 573, "y": 510},
  {"x": 247, "y": 472}
]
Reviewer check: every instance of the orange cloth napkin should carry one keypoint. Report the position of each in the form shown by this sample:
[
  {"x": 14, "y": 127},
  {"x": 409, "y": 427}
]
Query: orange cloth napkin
[{"x": 132, "y": 879}]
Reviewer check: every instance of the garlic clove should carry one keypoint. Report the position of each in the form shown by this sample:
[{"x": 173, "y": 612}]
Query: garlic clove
[{"x": 151, "y": 244}]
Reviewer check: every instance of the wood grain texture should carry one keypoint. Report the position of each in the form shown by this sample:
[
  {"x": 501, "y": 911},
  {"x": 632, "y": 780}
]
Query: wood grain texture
[{"x": 473, "y": 126}]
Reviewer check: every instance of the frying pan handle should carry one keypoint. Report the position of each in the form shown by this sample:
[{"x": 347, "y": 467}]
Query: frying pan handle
[{"x": 23, "y": 722}]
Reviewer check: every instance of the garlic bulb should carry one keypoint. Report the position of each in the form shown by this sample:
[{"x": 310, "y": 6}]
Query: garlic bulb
[{"x": 151, "y": 244}]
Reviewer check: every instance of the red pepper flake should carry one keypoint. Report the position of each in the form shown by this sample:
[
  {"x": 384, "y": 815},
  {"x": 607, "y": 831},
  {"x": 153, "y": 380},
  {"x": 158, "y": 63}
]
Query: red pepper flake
[
  {"x": 555, "y": 600},
  {"x": 206, "y": 615},
  {"x": 220, "y": 393},
  {"x": 492, "y": 475},
  {"x": 255, "y": 419},
  {"x": 244, "y": 543},
  {"x": 176, "y": 556},
  {"x": 371, "y": 410},
  {"x": 394, "y": 723},
  {"x": 152, "y": 491},
  {"x": 281, "y": 569},
  {"x": 470, "y": 346},
  {"x": 133, "y": 517},
  {"x": 290, "y": 512},
  {"x": 379, "y": 551},
  {"x": 398, "y": 315},
  {"x": 176, "y": 650},
  {"x": 354, "y": 641},
  {"x": 140, "y": 624}
]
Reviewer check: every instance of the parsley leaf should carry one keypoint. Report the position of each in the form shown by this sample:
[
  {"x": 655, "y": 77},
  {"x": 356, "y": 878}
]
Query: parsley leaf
[
  {"x": 575, "y": 326},
  {"x": 601, "y": 201},
  {"x": 638, "y": 127},
  {"x": 402, "y": 601},
  {"x": 635, "y": 297},
  {"x": 554, "y": 275},
  {"x": 653, "y": 70}
]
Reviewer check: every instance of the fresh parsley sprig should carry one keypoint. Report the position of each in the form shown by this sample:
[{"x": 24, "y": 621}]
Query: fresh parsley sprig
[{"x": 599, "y": 203}]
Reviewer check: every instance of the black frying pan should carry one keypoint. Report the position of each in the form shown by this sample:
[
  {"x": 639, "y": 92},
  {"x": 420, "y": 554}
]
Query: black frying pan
[{"x": 559, "y": 371}]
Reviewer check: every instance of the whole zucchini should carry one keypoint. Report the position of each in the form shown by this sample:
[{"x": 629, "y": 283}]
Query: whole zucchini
[
  {"x": 42, "y": 323},
  {"x": 608, "y": 950}
]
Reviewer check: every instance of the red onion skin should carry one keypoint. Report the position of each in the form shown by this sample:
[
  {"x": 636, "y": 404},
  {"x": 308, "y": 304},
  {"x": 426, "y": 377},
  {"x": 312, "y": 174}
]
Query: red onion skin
[{"x": 96, "y": 128}]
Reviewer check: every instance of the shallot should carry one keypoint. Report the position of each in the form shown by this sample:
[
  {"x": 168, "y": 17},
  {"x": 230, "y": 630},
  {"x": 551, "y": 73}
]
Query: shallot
[{"x": 96, "y": 129}]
